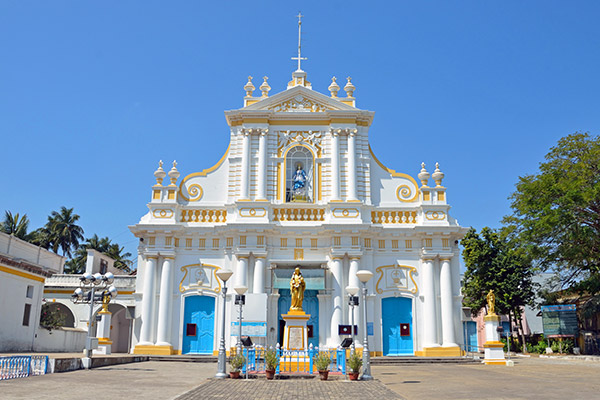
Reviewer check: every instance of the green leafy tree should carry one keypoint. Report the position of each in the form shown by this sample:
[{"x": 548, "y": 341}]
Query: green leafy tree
[
  {"x": 557, "y": 211},
  {"x": 76, "y": 265},
  {"x": 495, "y": 262},
  {"x": 16, "y": 225},
  {"x": 64, "y": 233}
]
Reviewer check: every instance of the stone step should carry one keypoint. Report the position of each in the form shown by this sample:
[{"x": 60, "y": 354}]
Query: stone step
[
  {"x": 186, "y": 358},
  {"x": 422, "y": 360}
]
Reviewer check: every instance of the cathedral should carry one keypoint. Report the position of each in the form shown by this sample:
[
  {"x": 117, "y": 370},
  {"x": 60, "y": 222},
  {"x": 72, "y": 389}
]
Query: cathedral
[{"x": 298, "y": 187}]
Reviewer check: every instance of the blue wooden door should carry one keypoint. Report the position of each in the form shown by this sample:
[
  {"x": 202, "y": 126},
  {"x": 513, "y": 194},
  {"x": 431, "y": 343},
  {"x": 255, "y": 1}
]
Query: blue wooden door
[
  {"x": 397, "y": 326},
  {"x": 198, "y": 325},
  {"x": 310, "y": 305},
  {"x": 471, "y": 335}
]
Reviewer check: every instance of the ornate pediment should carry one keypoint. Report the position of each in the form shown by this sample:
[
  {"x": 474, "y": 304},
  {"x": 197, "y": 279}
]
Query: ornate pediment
[{"x": 299, "y": 103}]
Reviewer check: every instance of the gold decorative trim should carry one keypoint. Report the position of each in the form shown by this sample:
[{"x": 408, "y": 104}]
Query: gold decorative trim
[
  {"x": 409, "y": 271},
  {"x": 435, "y": 215},
  {"x": 345, "y": 212},
  {"x": 398, "y": 175},
  {"x": 196, "y": 190},
  {"x": 253, "y": 212},
  {"x": 162, "y": 213},
  {"x": 23, "y": 274},
  {"x": 211, "y": 288}
]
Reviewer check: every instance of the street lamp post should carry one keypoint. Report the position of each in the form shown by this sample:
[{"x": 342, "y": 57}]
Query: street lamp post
[
  {"x": 352, "y": 301},
  {"x": 86, "y": 293},
  {"x": 224, "y": 275},
  {"x": 364, "y": 276},
  {"x": 240, "y": 300}
]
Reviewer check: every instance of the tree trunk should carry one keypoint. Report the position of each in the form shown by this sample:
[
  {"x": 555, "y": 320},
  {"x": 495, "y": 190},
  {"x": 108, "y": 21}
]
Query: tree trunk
[{"x": 522, "y": 331}]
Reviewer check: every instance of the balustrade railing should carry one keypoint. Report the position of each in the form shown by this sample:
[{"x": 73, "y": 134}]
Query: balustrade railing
[
  {"x": 394, "y": 217},
  {"x": 204, "y": 215},
  {"x": 74, "y": 280},
  {"x": 12, "y": 367},
  {"x": 298, "y": 214}
]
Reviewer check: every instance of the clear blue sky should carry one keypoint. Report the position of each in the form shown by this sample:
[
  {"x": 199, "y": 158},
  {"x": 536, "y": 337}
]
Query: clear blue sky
[{"x": 94, "y": 93}]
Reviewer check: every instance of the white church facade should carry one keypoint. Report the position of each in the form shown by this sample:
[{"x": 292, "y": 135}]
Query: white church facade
[{"x": 298, "y": 186}]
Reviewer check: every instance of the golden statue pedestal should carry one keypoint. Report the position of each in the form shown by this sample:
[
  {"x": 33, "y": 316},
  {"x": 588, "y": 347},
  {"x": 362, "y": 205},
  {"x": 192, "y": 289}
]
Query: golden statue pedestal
[{"x": 295, "y": 342}]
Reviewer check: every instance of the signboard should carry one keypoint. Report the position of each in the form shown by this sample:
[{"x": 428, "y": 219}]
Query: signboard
[
  {"x": 254, "y": 329},
  {"x": 560, "y": 320}
]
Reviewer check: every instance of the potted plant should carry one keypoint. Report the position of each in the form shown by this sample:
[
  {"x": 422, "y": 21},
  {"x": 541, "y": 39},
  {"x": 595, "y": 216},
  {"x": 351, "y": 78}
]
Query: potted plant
[
  {"x": 236, "y": 362},
  {"x": 354, "y": 364},
  {"x": 272, "y": 362},
  {"x": 322, "y": 361}
]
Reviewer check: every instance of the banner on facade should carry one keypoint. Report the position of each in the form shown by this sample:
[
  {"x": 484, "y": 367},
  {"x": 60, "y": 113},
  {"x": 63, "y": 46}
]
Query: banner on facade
[{"x": 255, "y": 329}]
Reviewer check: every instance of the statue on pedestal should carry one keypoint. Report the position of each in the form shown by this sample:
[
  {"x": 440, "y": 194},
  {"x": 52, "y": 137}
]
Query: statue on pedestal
[
  {"x": 297, "y": 286},
  {"x": 491, "y": 301}
]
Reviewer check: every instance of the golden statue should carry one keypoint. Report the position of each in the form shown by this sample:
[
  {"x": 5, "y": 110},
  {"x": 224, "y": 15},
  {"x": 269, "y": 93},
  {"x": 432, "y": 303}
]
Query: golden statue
[
  {"x": 491, "y": 300},
  {"x": 297, "y": 286},
  {"x": 105, "y": 300}
]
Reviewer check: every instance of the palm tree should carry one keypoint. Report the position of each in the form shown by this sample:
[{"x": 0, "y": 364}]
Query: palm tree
[
  {"x": 76, "y": 265},
  {"x": 15, "y": 225},
  {"x": 64, "y": 232},
  {"x": 40, "y": 237},
  {"x": 122, "y": 260}
]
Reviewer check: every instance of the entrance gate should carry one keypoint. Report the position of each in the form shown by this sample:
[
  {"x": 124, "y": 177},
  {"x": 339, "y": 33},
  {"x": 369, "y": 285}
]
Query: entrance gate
[{"x": 198, "y": 325}]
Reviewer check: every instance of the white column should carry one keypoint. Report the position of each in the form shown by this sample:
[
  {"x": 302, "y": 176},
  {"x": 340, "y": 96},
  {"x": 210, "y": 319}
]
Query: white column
[
  {"x": 352, "y": 166},
  {"x": 354, "y": 282},
  {"x": 259, "y": 275},
  {"x": 336, "y": 314},
  {"x": 164, "y": 303},
  {"x": 241, "y": 273},
  {"x": 262, "y": 166},
  {"x": 335, "y": 166},
  {"x": 148, "y": 302},
  {"x": 245, "y": 184},
  {"x": 448, "y": 333},
  {"x": 429, "y": 317}
]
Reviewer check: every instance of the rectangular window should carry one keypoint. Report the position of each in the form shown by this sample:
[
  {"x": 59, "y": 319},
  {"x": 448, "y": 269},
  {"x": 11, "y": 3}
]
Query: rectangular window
[
  {"x": 382, "y": 244},
  {"x": 26, "y": 314},
  {"x": 368, "y": 243},
  {"x": 428, "y": 243},
  {"x": 202, "y": 243},
  {"x": 215, "y": 243},
  {"x": 445, "y": 243},
  {"x": 156, "y": 195},
  {"x": 395, "y": 244},
  {"x": 168, "y": 240},
  {"x": 29, "y": 293},
  {"x": 188, "y": 242},
  {"x": 314, "y": 243},
  {"x": 298, "y": 242},
  {"x": 298, "y": 254},
  {"x": 151, "y": 241},
  {"x": 171, "y": 195},
  {"x": 176, "y": 242},
  {"x": 243, "y": 241},
  {"x": 441, "y": 196},
  {"x": 283, "y": 243},
  {"x": 408, "y": 244},
  {"x": 337, "y": 241},
  {"x": 260, "y": 240},
  {"x": 103, "y": 266},
  {"x": 229, "y": 242},
  {"x": 355, "y": 241}
]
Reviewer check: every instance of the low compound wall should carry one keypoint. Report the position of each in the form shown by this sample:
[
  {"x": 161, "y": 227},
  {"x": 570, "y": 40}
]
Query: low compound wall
[{"x": 67, "y": 340}]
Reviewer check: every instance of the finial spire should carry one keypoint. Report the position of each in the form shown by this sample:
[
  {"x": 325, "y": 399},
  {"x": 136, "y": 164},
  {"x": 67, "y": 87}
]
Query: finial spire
[{"x": 299, "y": 58}]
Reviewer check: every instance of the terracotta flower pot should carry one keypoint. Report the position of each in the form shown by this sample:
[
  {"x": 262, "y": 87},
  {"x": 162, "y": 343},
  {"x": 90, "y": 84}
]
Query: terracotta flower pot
[
  {"x": 234, "y": 374},
  {"x": 270, "y": 374},
  {"x": 353, "y": 375},
  {"x": 323, "y": 375}
]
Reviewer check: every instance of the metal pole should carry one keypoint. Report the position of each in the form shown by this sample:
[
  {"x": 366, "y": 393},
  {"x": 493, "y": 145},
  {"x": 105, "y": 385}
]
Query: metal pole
[
  {"x": 239, "y": 344},
  {"x": 88, "y": 350},
  {"x": 366, "y": 376},
  {"x": 221, "y": 373},
  {"x": 353, "y": 348}
]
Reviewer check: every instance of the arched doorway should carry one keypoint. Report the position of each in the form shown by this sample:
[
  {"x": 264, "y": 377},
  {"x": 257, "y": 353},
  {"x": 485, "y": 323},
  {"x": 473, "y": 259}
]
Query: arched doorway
[
  {"x": 198, "y": 325},
  {"x": 120, "y": 328},
  {"x": 397, "y": 326},
  {"x": 65, "y": 312}
]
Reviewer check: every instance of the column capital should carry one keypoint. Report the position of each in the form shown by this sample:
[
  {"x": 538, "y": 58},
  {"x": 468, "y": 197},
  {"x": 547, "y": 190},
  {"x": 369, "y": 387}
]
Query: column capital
[
  {"x": 151, "y": 256},
  {"x": 355, "y": 258}
]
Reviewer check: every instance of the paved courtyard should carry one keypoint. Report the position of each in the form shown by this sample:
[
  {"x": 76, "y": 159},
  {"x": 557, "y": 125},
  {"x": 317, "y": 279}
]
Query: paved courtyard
[{"x": 528, "y": 379}]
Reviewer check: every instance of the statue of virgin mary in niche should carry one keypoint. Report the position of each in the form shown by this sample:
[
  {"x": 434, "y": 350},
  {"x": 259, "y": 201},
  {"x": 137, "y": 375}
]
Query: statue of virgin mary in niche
[{"x": 299, "y": 189}]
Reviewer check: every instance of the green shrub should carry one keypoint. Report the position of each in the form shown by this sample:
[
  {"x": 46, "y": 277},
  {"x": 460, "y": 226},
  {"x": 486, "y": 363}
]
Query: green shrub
[
  {"x": 322, "y": 361},
  {"x": 271, "y": 360},
  {"x": 51, "y": 318},
  {"x": 354, "y": 362},
  {"x": 237, "y": 362}
]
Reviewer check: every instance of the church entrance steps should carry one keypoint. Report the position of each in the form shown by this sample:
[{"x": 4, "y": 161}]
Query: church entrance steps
[
  {"x": 422, "y": 360},
  {"x": 199, "y": 358}
]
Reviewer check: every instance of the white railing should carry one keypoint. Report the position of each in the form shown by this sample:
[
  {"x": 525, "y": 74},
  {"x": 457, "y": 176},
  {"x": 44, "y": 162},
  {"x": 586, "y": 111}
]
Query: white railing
[{"x": 74, "y": 281}]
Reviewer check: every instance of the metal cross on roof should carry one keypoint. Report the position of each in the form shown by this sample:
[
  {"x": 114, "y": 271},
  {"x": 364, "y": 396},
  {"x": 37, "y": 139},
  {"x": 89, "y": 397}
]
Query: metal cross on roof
[{"x": 299, "y": 58}]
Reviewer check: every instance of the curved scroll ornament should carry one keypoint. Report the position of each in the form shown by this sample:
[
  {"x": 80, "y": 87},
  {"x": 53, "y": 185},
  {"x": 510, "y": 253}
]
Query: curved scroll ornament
[
  {"x": 393, "y": 278},
  {"x": 197, "y": 276},
  {"x": 405, "y": 194},
  {"x": 194, "y": 191}
]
